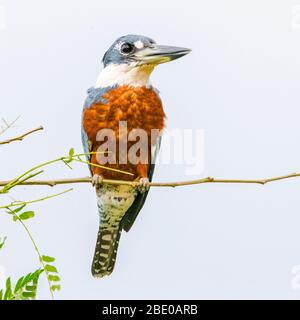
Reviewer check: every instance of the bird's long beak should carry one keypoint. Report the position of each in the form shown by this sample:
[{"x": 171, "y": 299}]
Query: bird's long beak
[{"x": 160, "y": 54}]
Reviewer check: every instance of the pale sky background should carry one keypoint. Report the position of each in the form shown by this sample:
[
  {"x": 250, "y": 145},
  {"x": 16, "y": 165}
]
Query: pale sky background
[{"x": 240, "y": 85}]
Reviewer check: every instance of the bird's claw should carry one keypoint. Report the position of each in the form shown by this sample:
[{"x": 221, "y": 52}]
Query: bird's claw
[
  {"x": 97, "y": 180},
  {"x": 144, "y": 185}
]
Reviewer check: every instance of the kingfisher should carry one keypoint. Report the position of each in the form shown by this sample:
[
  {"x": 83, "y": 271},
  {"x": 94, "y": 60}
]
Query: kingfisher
[{"x": 123, "y": 97}]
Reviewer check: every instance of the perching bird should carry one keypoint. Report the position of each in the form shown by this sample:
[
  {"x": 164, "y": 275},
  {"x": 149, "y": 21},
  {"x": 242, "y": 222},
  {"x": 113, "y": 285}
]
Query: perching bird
[{"x": 123, "y": 94}]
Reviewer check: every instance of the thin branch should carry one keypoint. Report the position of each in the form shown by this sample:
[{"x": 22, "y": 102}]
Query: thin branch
[
  {"x": 53, "y": 183},
  {"x": 2, "y": 242},
  {"x": 23, "y": 203},
  {"x": 7, "y": 125},
  {"x": 66, "y": 160},
  {"x": 21, "y": 137}
]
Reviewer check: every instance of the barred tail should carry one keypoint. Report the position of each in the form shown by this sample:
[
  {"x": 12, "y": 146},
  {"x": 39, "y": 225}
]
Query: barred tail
[{"x": 106, "y": 251}]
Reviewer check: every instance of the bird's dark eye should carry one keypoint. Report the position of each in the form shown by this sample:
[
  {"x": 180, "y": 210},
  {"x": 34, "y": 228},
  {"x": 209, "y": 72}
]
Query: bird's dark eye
[{"x": 127, "y": 48}]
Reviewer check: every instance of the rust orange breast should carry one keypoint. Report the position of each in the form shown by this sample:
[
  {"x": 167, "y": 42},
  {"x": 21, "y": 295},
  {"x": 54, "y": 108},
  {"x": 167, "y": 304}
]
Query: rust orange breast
[{"x": 140, "y": 107}]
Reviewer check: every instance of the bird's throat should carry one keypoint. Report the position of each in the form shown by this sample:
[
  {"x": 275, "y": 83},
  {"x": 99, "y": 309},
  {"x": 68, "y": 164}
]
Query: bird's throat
[{"x": 124, "y": 74}]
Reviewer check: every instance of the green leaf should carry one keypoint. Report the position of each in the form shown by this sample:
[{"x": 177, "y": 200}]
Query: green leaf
[
  {"x": 24, "y": 216},
  {"x": 26, "y": 279},
  {"x": 17, "y": 209},
  {"x": 71, "y": 152},
  {"x": 54, "y": 278},
  {"x": 8, "y": 283},
  {"x": 8, "y": 292},
  {"x": 19, "y": 284},
  {"x": 31, "y": 288},
  {"x": 48, "y": 259},
  {"x": 70, "y": 158},
  {"x": 50, "y": 268},
  {"x": 26, "y": 286},
  {"x": 56, "y": 287},
  {"x": 37, "y": 274},
  {"x": 27, "y": 294},
  {"x": 52, "y": 273}
]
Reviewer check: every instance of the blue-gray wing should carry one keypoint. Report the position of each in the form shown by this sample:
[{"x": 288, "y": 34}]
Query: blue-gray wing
[
  {"x": 86, "y": 146},
  {"x": 95, "y": 95},
  {"x": 139, "y": 201}
]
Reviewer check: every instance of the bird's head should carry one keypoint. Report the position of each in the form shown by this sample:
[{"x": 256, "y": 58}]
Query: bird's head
[
  {"x": 138, "y": 50},
  {"x": 131, "y": 59}
]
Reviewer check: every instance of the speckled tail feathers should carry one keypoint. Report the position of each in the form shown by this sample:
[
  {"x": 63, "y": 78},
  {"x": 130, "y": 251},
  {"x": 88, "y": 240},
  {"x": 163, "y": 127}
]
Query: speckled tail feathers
[{"x": 105, "y": 251}]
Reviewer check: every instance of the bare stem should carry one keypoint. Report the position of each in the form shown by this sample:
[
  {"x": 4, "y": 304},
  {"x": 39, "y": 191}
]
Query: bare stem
[
  {"x": 7, "y": 125},
  {"x": 55, "y": 182},
  {"x": 21, "y": 137},
  {"x": 20, "y": 203},
  {"x": 21, "y": 179}
]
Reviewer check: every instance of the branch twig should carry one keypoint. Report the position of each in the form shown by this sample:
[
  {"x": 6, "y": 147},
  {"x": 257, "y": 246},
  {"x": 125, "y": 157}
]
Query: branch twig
[
  {"x": 66, "y": 160},
  {"x": 53, "y": 183},
  {"x": 21, "y": 137},
  {"x": 7, "y": 125},
  {"x": 25, "y": 203}
]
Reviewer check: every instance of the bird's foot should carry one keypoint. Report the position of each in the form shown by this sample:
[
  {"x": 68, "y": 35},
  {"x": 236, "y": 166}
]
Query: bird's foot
[
  {"x": 97, "y": 180},
  {"x": 144, "y": 185}
]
